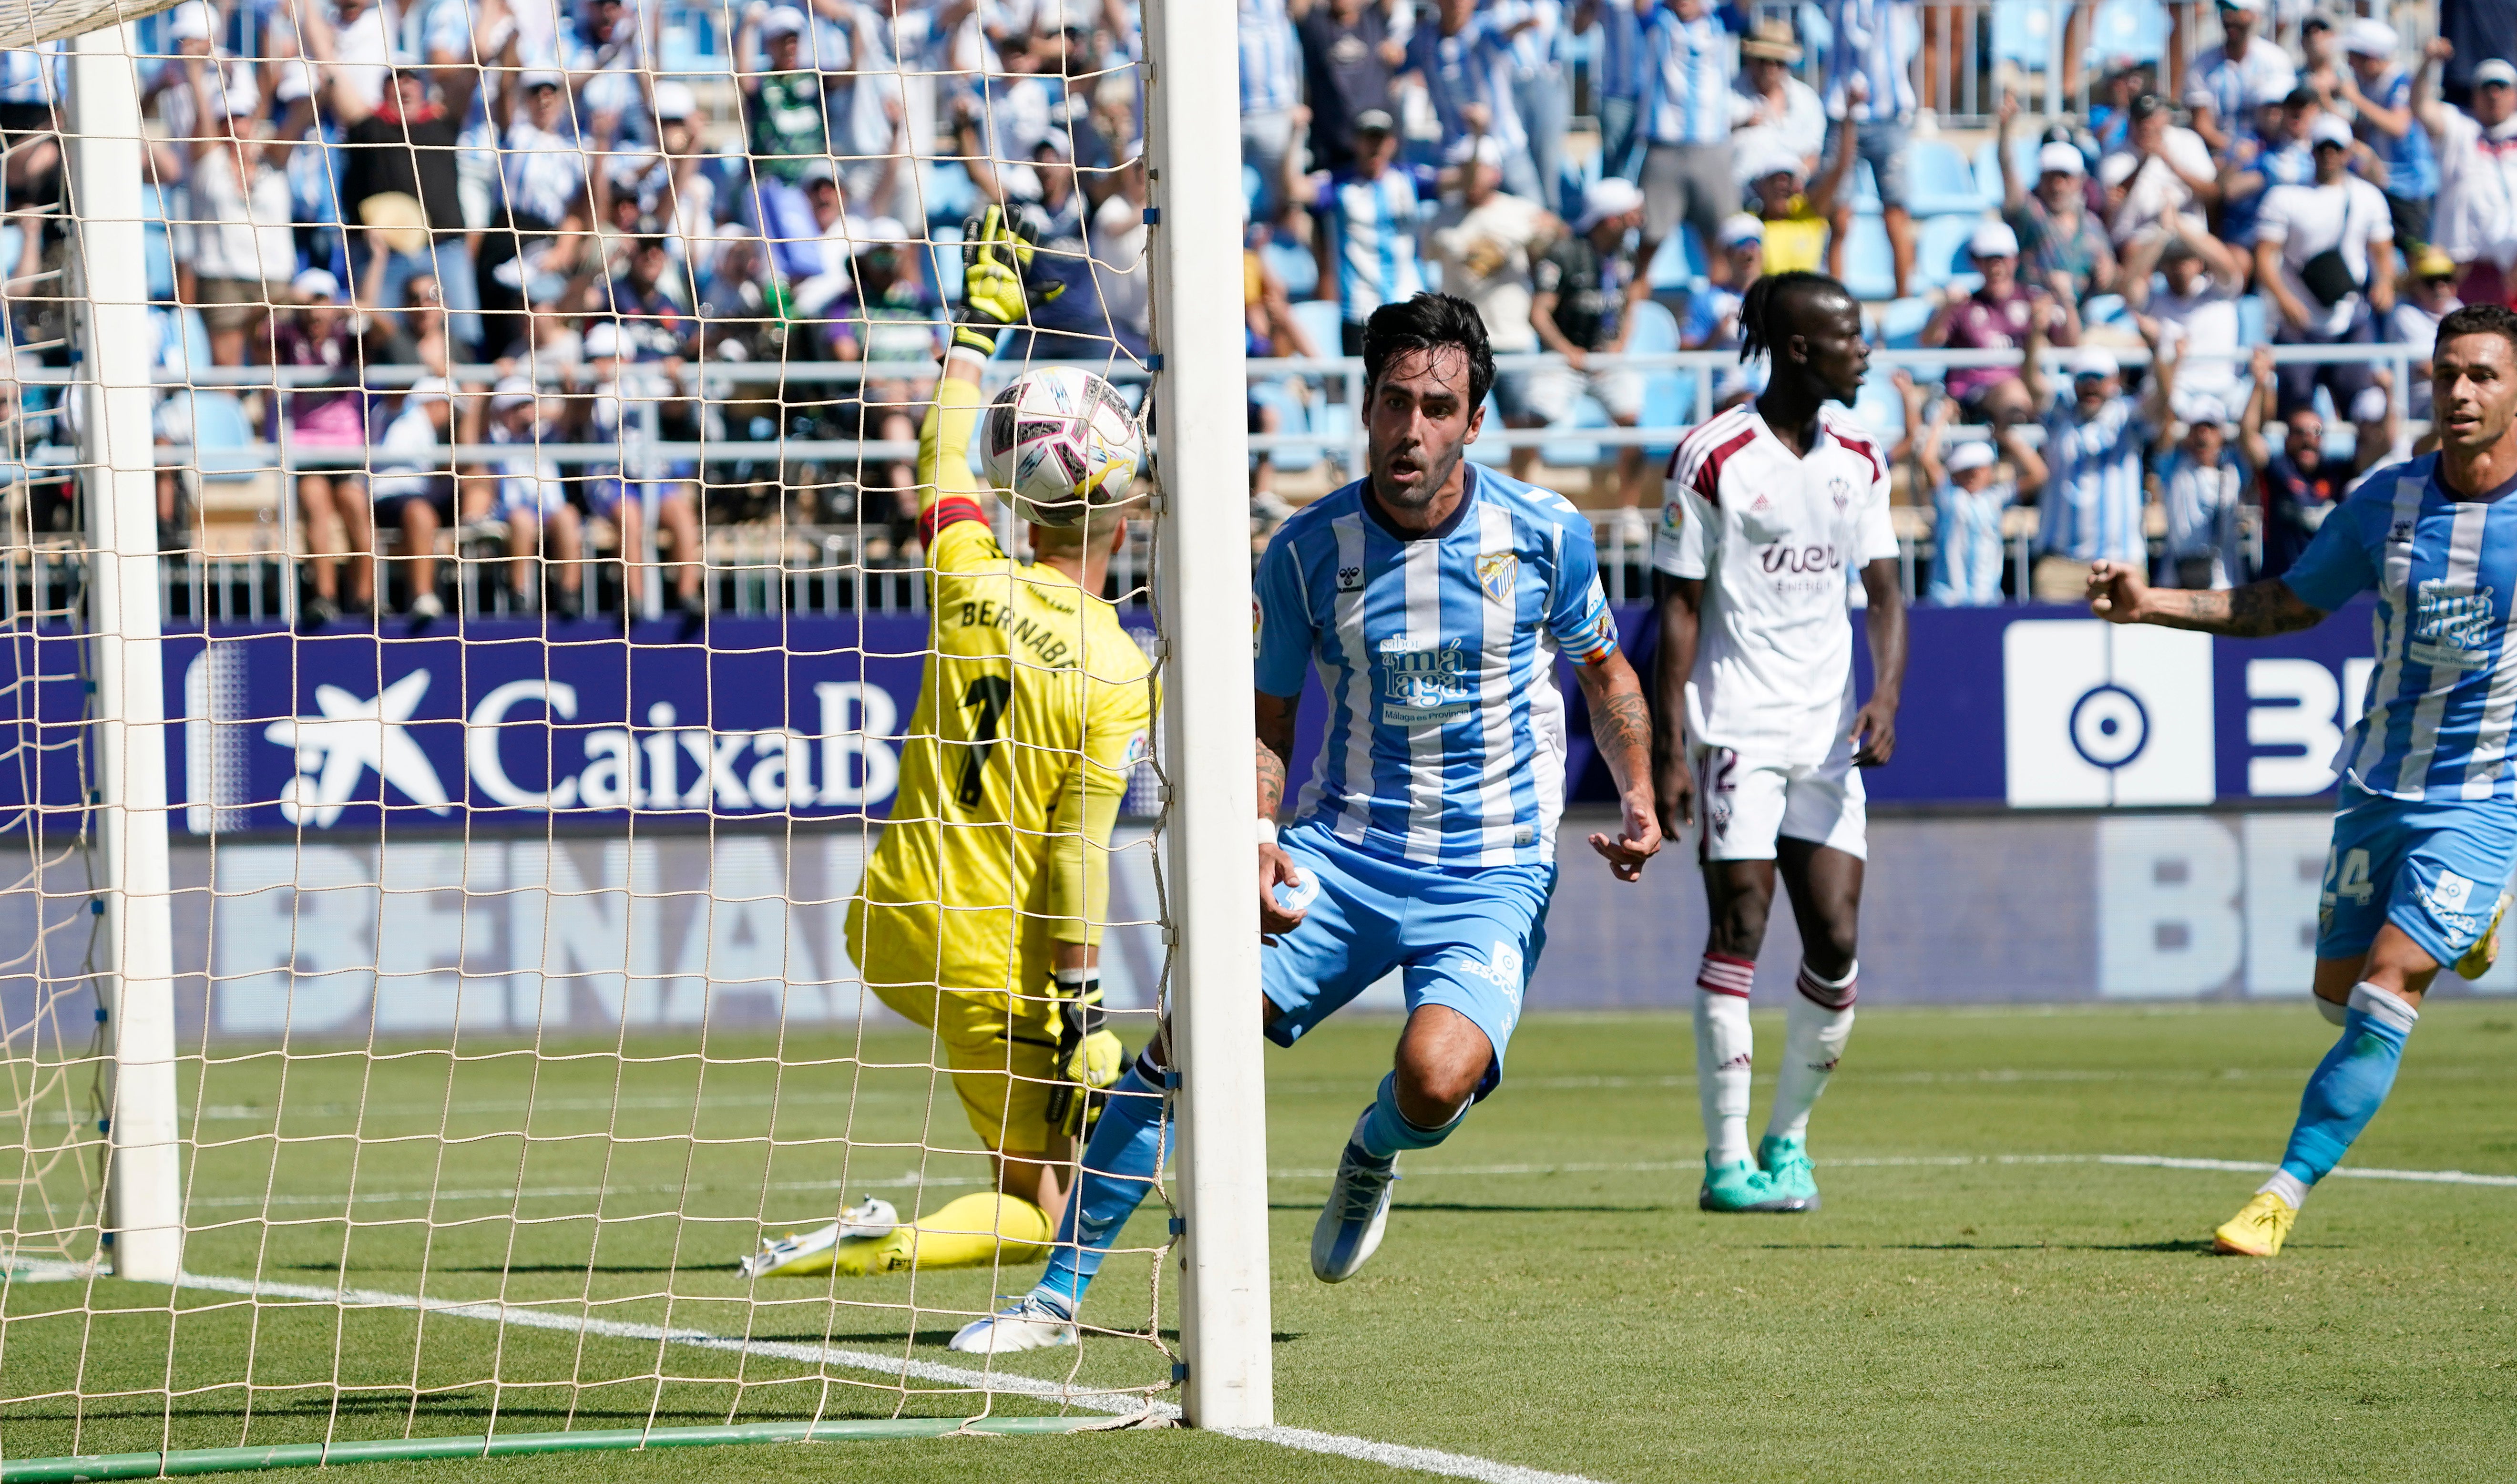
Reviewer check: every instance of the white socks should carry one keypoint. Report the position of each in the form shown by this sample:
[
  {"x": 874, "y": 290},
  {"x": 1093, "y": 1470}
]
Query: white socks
[
  {"x": 1724, "y": 1055},
  {"x": 1818, "y": 1022},
  {"x": 2287, "y": 1186}
]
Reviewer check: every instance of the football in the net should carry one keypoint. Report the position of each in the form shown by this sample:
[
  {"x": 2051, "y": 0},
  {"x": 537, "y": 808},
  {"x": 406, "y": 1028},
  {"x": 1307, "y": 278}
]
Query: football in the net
[{"x": 1060, "y": 443}]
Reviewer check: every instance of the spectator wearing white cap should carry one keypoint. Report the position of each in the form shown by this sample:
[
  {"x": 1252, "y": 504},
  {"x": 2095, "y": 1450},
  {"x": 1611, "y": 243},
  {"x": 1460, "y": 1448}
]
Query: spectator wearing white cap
[
  {"x": 2061, "y": 247},
  {"x": 2325, "y": 254},
  {"x": 1805, "y": 223},
  {"x": 527, "y": 492},
  {"x": 2380, "y": 95},
  {"x": 2228, "y": 83},
  {"x": 2203, "y": 484},
  {"x": 618, "y": 497},
  {"x": 235, "y": 235},
  {"x": 1579, "y": 303},
  {"x": 542, "y": 170},
  {"x": 326, "y": 416},
  {"x": 789, "y": 126},
  {"x": 1713, "y": 315},
  {"x": 1485, "y": 241},
  {"x": 2096, "y": 437},
  {"x": 413, "y": 491},
  {"x": 2000, "y": 315},
  {"x": 1970, "y": 486},
  {"x": 2159, "y": 171},
  {"x": 2475, "y": 218}
]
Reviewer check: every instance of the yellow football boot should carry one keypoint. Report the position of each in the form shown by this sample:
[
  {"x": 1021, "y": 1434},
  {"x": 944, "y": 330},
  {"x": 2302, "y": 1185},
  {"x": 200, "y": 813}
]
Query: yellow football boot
[
  {"x": 2485, "y": 953},
  {"x": 2258, "y": 1230}
]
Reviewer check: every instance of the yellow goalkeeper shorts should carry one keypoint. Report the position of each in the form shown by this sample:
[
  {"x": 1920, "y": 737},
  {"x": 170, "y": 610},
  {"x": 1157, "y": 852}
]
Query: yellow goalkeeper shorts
[{"x": 1002, "y": 1050}]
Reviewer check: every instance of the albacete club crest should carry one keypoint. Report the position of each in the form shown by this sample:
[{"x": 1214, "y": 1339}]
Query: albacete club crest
[
  {"x": 1495, "y": 572},
  {"x": 1842, "y": 489}
]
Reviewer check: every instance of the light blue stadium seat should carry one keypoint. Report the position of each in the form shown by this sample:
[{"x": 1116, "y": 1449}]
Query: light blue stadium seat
[
  {"x": 946, "y": 255},
  {"x": 1939, "y": 182},
  {"x": 1587, "y": 413},
  {"x": 2129, "y": 29},
  {"x": 1490, "y": 449},
  {"x": 1900, "y": 323},
  {"x": 2022, "y": 34},
  {"x": 950, "y": 197},
  {"x": 2104, "y": 309},
  {"x": 1941, "y": 248},
  {"x": 1295, "y": 267},
  {"x": 1865, "y": 188},
  {"x": 1278, "y": 396},
  {"x": 1880, "y": 408},
  {"x": 1679, "y": 262},
  {"x": 160, "y": 253},
  {"x": 2255, "y": 320},
  {"x": 1253, "y": 186},
  {"x": 1870, "y": 264},
  {"x": 1324, "y": 322},
  {"x": 1669, "y": 396},
  {"x": 222, "y": 438}
]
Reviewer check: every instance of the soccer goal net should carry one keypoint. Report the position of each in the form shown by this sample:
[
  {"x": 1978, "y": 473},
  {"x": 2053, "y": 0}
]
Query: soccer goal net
[{"x": 524, "y": 810}]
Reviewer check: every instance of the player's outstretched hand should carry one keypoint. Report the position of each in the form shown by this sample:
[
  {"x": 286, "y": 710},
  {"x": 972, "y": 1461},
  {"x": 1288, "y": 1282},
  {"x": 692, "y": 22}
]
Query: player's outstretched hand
[
  {"x": 1276, "y": 868},
  {"x": 995, "y": 255},
  {"x": 1874, "y": 733},
  {"x": 1636, "y": 842},
  {"x": 2117, "y": 590}
]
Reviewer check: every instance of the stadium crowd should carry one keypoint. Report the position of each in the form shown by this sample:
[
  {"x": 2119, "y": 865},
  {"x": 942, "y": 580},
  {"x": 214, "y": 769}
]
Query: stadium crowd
[{"x": 558, "y": 209}]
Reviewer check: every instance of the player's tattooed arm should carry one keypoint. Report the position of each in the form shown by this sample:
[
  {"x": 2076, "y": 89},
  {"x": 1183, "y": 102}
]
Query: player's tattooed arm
[
  {"x": 1621, "y": 724},
  {"x": 1276, "y": 723},
  {"x": 2120, "y": 593}
]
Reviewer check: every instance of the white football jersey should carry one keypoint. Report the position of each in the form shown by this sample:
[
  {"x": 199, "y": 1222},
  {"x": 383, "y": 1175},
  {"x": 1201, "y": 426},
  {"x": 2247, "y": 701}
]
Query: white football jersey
[{"x": 1778, "y": 539}]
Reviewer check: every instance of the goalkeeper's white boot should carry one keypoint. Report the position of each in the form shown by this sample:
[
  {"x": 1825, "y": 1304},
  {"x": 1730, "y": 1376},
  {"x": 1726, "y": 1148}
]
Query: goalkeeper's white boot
[
  {"x": 803, "y": 1254},
  {"x": 1351, "y": 1224},
  {"x": 1029, "y": 1323}
]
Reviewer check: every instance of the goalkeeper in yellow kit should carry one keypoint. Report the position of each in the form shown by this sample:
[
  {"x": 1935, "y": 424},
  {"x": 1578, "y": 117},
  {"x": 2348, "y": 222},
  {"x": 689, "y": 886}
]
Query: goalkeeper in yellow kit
[{"x": 981, "y": 913}]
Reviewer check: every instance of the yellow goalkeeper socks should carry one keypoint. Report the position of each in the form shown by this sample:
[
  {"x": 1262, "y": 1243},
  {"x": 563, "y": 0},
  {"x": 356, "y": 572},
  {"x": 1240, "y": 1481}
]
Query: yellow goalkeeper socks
[{"x": 974, "y": 1231}]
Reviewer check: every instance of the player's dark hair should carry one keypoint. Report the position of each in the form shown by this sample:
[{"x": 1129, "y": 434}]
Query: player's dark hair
[
  {"x": 1423, "y": 323},
  {"x": 2480, "y": 319},
  {"x": 1768, "y": 311}
]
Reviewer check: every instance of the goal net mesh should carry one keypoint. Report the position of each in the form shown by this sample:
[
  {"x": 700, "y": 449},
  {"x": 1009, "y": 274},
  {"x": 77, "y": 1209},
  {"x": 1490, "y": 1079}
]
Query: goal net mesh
[{"x": 537, "y": 391}]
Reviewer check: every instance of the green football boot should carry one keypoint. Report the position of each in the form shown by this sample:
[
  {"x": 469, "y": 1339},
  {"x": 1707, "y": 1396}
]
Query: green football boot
[
  {"x": 1786, "y": 1163},
  {"x": 1740, "y": 1186}
]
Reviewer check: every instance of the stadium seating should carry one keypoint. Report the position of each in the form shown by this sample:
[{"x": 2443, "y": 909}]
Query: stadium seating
[
  {"x": 1870, "y": 264},
  {"x": 1939, "y": 182}
]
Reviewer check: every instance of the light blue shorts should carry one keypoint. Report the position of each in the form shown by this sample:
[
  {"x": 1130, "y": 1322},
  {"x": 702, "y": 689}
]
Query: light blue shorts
[
  {"x": 1466, "y": 937},
  {"x": 2432, "y": 867}
]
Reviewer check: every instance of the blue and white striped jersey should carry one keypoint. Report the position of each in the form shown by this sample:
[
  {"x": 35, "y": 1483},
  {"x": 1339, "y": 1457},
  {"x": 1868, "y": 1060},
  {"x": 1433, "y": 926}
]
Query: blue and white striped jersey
[
  {"x": 1687, "y": 81},
  {"x": 2091, "y": 507},
  {"x": 1272, "y": 64},
  {"x": 34, "y": 75},
  {"x": 1878, "y": 39},
  {"x": 2436, "y": 721},
  {"x": 1534, "y": 49},
  {"x": 1445, "y": 741},
  {"x": 1472, "y": 67},
  {"x": 1617, "y": 59},
  {"x": 1965, "y": 535},
  {"x": 1372, "y": 227}
]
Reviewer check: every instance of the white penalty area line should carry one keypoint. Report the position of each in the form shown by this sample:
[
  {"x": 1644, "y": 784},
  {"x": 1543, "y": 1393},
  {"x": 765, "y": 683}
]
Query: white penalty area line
[{"x": 1129, "y": 1407}]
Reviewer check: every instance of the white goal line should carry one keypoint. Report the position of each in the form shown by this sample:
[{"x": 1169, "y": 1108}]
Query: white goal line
[{"x": 1130, "y": 1406}]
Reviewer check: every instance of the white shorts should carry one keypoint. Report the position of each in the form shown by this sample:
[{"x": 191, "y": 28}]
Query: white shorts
[
  {"x": 529, "y": 495},
  {"x": 1747, "y": 805},
  {"x": 1554, "y": 389}
]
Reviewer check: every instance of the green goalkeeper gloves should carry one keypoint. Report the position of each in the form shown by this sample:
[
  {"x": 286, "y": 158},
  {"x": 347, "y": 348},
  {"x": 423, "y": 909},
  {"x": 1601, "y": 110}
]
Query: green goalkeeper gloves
[
  {"x": 996, "y": 292},
  {"x": 1088, "y": 1057}
]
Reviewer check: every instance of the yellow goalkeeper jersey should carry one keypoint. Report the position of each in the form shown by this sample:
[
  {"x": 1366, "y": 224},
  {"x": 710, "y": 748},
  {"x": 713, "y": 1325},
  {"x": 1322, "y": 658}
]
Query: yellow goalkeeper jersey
[{"x": 1032, "y": 715}]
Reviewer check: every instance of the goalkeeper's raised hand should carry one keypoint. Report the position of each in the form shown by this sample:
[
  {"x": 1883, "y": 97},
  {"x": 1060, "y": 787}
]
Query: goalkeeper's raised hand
[
  {"x": 996, "y": 267},
  {"x": 1088, "y": 1057}
]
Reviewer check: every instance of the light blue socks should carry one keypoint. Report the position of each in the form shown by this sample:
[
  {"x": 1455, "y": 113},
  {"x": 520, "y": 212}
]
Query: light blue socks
[
  {"x": 1382, "y": 1130},
  {"x": 1120, "y": 1166},
  {"x": 2347, "y": 1089}
]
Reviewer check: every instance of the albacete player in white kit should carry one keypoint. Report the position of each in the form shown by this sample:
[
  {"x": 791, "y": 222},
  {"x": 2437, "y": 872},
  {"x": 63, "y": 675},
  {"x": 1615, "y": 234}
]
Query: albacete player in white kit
[{"x": 1765, "y": 509}]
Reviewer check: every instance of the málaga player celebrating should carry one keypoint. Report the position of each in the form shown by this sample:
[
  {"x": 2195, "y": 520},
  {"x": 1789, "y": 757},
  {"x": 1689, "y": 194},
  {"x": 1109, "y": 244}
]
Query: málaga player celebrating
[
  {"x": 982, "y": 907},
  {"x": 2426, "y": 826},
  {"x": 1433, "y": 597},
  {"x": 1767, "y": 506}
]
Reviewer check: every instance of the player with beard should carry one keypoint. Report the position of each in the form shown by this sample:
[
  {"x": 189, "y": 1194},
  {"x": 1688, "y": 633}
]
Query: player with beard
[
  {"x": 2425, "y": 830},
  {"x": 1767, "y": 507},
  {"x": 1433, "y": 597}
]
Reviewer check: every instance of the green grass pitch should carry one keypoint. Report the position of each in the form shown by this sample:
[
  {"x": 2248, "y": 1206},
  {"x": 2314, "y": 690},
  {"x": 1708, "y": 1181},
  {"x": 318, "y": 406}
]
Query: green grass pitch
[{"x": 1548, "y": 1297}]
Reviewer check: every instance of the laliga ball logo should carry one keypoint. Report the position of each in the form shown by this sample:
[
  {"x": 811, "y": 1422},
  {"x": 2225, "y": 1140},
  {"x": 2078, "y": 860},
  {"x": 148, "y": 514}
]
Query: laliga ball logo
[{"x": 1060, "y": 443}]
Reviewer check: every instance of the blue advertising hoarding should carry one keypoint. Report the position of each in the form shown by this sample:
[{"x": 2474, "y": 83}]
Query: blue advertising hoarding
[{"x": 509, "y": 727}]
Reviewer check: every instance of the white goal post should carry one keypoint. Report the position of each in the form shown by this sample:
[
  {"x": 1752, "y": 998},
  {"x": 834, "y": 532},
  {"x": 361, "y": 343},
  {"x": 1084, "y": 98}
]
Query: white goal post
[{"x": 1208, "y": 979}]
